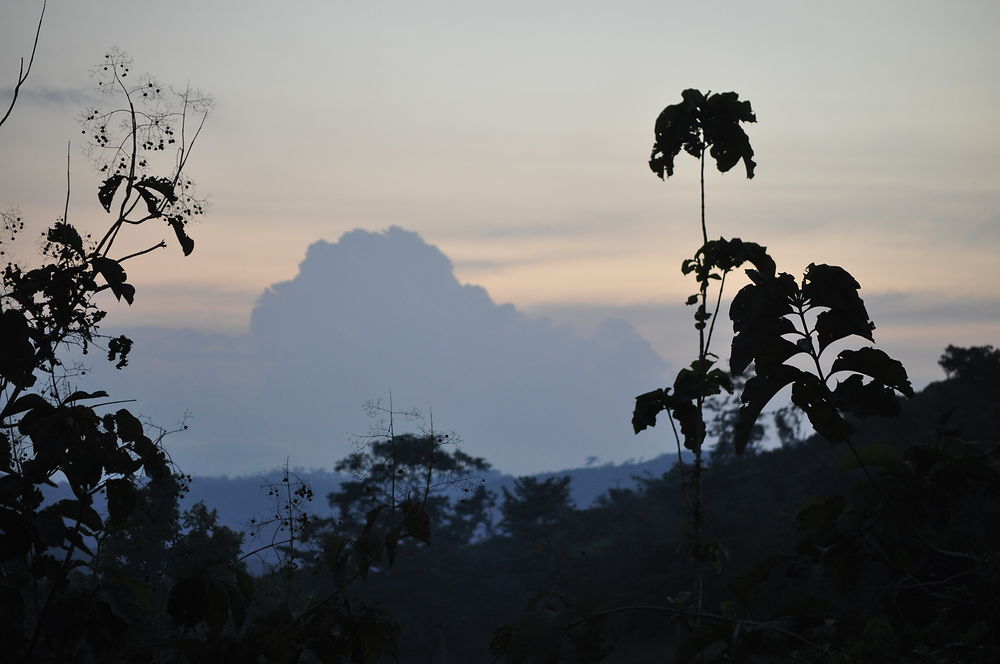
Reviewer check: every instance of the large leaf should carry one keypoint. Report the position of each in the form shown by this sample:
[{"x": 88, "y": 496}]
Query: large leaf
[
  {"x": 106, "y": 192},
  {"x": 114, "y": 274},
  {"x": 757, "y": 393},
  {"x": 676, "y": 128},
  {"x": 187, "y": 244},
  {"x": 76, "y": 510},
  {"x": 17, "y": 355},
  {"x": 877, "y": 364},
  {"x": 721, "y": 118},
  {"x": 647, "y": 407},
  {"x": 813, "y": 398},
  {"x": 163, "y": 186},
  {"x": 23, "y": 403},
  {"x": 833, "y": 287},
  {"x": 865, "y": 399},
  {"x": 129, "y": 426}
]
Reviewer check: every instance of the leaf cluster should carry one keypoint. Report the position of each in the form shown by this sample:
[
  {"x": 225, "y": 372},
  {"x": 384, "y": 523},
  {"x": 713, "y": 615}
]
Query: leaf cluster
[{"x": 699, "y": 122}]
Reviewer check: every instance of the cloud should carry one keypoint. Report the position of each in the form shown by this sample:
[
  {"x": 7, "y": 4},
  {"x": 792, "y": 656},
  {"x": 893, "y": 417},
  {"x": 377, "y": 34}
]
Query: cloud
[
  {"x": 55, "y": 97},
  {"x": 375, "y": 314}
]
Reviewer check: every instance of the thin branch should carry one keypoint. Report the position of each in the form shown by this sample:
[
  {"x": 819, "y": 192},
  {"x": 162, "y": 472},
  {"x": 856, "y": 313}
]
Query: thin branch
[
  {"x": 715, "y": 314},
  {"x": 22, "y": 74},
  {"x": 160, "y": 245},
  {"x": 66, "y": 208}
]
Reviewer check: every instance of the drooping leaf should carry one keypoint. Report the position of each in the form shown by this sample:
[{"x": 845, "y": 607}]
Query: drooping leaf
[
  {"x": 187, "y": 244},
  {"x": 812, "y": 397},
  {"x": 757, "y": 393},
  {"x": 163, "y": 186},
  {"x": 865, "y": 399},
  {"x": 692, "y": 424},
  {"x": 17, "y": 355},
  {"x": 152, "y": 202},
  {"x": 721, "y": 117},
  {"x": 877, "y": 364},
  {"x": 106, "y": 192},
  {"x": 114, "y": 274},
  {"x": 78, "y": 511},
  {"x": 676, "y": 128},
  {"x": 15, "y": 536},
  {"x": 23, "y": 403},
  {"x": 647, "y": 407},
  {"x": 6, "y": 453}
]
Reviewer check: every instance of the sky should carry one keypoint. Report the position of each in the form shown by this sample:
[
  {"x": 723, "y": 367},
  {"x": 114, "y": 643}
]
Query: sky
[{"x": 514, "y": 137}]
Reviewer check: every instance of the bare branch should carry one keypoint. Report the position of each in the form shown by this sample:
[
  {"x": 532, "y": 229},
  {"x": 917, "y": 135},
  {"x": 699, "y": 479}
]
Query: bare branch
[{"x": 22, "y": 74}]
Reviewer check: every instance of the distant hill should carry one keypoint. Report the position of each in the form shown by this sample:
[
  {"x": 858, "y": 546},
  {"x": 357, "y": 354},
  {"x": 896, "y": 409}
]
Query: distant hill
[{"x": 239, "y": 499}]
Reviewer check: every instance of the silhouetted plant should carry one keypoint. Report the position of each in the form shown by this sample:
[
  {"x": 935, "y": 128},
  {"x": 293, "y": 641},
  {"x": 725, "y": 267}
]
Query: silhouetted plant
[
  {"x": 894, "y": 540},
  {"x": 53, "y": 431}
]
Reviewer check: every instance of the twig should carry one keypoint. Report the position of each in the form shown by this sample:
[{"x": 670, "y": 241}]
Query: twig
[
  {"x": 160, "y": 245},
  {"x": 22, "y": 74}
]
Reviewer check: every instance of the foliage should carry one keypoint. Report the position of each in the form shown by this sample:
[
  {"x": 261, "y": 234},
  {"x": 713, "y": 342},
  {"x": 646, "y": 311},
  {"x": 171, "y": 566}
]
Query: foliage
[
  {"x": 54, "y": 431},
  {"x": 535, "y": 506},
  {"x": 884, "y": 574},
  {"x": 976, "y": 364}
]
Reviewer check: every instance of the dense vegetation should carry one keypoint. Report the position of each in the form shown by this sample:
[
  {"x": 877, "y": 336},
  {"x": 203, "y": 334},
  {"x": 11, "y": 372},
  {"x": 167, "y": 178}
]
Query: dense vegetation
[{"x": 877, "y": 547}]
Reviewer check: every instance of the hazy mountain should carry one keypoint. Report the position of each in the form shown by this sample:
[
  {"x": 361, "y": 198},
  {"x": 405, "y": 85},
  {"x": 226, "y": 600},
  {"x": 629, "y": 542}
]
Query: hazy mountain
[{"x": 380, "y": 314}]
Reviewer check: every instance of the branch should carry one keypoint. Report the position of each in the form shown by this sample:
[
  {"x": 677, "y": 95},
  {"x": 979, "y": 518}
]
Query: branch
[
  {"x": 22, "y": 74},
  {"x": 160, "y": 245}
]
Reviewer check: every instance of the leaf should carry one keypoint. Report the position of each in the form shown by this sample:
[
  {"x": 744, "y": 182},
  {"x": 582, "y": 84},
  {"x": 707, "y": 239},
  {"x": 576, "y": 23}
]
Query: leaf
[
  {"x": 64, "y": 234},
  {"x": 114, "y": 274},
  {"x": 863, "y": 400},
  {"x": 720, "y": 119},
  {"x": 163, "y": 186},
  {"x": 78, "y": 511},
  {"x": 106, "y": 192},
  {"x": 877, "y": 364},
  {"x": 15, "y": 537},
  {"x": 811, "y": 396},
  {"x": 676, "y": 128},
  {"x": 17, "y": 355},
  {"x": 6, "y": 453},
  {"x": 832, "y": 286},
  {"x": 128, "y": 425},
  {"x": 122, "y": 499},
  {"x": 152, "y": 202},
  {"x": 691, "y": 423},
  {"x": 80, "y": 395},
  {"x": 187, "y": 244},
  {"x": 647, "y": 407},
  {"x": 21, "y": 404},
  {"x": 757, "y": 393}
]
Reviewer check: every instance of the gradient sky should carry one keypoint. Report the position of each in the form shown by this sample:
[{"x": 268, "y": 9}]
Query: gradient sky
[{"x": 514, "y": 136}]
